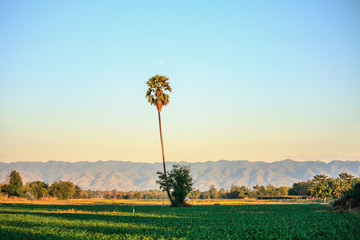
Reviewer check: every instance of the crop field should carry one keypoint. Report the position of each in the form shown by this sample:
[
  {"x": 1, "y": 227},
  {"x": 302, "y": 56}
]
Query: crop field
[{"x": 290, "y": 221}]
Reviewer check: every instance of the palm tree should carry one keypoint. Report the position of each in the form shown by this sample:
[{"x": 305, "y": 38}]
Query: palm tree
[
  {"x": 155, "y": 95},
  {"x": 347, "y": 180}
]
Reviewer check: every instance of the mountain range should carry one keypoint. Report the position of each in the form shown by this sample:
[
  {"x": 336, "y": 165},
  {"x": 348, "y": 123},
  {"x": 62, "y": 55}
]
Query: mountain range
[{"x": 125, "y": 176}]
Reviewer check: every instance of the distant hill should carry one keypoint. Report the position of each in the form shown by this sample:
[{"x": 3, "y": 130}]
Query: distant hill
[{"x": 102, "y": 175}]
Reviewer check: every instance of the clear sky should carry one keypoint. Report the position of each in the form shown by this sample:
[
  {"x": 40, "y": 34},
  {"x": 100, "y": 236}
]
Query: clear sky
[{"x": 252, "y": 80}]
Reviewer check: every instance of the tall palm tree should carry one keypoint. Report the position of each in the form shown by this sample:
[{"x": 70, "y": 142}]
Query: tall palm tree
[{"x": 155, "y": 95}]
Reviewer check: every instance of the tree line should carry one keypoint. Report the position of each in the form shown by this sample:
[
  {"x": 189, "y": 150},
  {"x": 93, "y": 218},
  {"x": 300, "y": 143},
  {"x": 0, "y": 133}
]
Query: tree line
[
  {"x": 39, "y": 190},
  {"x": 64, "y": 190},
  {"x": 240, "y": 192},
  {"x": 320, "y": 186}
]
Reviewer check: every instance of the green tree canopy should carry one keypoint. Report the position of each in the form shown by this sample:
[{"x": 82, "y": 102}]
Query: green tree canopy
[
  {"x": 300, "y": 188},
  {"x": 15, "y": 186},
  {"x": 180, "y": 184},
  {"x": 213, "y": 192},
  {"x": 222, "y": 193},
  {"x": 15, "y": 179},
  {"x": 38, "y": 189},
  {"x": 347, "y": 180},
  {"x": 195, "y": 194},
  {"x": 155, "y": 94},
  {"x": 63, "y": 190},
  {"x": 319, "y": 186}
]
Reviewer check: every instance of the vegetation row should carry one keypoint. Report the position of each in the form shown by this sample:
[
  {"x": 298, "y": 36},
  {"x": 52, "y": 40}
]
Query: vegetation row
[{"x": 320, "y": 186}]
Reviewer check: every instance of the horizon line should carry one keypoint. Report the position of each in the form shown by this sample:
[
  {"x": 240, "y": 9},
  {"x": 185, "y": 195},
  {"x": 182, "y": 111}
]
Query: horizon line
[{"x": 142, "y": 162}]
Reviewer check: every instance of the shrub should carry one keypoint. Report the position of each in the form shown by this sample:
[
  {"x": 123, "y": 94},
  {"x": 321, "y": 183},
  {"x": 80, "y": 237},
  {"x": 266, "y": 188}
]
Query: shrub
[{"x": 350, "y": 199}]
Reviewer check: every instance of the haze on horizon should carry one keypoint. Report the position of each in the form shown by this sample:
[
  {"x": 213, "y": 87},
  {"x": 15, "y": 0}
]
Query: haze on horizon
[{"x": 257, "y": 81}]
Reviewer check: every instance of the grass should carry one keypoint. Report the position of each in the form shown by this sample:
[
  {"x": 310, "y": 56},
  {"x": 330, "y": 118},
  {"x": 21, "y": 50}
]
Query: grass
[{"x": 266, "y": 221}]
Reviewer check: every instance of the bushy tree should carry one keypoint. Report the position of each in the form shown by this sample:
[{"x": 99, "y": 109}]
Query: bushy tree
[
  {"x": 261, "y": 191},
  {"x": 234, "y": 192},
  {"x": 213, "y": 192},
  {"x": 282, "y": 191},
  {"x": 63, "y": 190},
  {"x": 350, "y": 199},
  {"x": 15, "y": 186},
  {"x": 179, "y": 183},
  {"x": 347, "y": 181},
  {"x": 195, "y": 194},
  {"x": 11, "y": 191},
  {"x": 205, "y": 195},
  {"x": 38, "y": 189},
  {"x": 252, "y": 194},
  {"x": 300, "y": 188},
  {"x": 15, "y": 179},
  {"x": 222, "y": 193},
  {"x": 270, "y": 190},
  {"x": 77, "y": 192},
  {"x": 238, "y": 192},
  {"x": 319, "y": 186},
  {"x": 335, "y": 185}
]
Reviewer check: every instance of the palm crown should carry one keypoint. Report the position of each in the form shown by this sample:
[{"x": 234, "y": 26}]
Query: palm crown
[{"x": 155, "y": 94}]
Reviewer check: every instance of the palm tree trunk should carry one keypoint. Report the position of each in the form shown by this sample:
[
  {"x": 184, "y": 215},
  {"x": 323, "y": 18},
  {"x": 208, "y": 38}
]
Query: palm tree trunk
[{"x": 163, "y": 156}]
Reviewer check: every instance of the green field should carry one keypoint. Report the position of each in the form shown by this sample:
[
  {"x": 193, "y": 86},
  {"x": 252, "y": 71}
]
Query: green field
[{"x": 18, "y": 221}]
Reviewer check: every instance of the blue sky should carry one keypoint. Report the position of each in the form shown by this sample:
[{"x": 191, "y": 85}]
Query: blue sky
[{"x": 258, "y": 81}]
